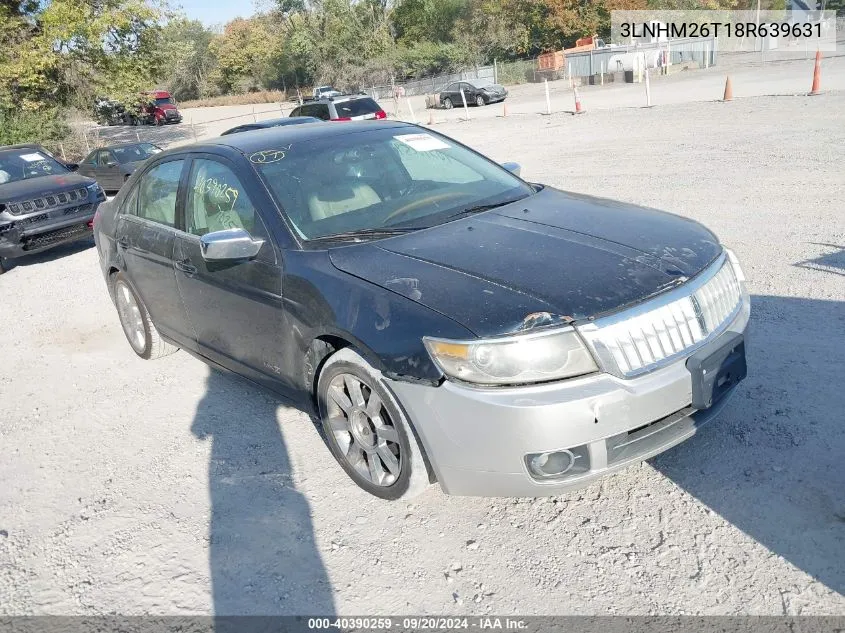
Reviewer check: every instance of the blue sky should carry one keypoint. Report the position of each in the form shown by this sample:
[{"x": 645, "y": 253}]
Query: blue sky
[{"x": 211, "y": 12}]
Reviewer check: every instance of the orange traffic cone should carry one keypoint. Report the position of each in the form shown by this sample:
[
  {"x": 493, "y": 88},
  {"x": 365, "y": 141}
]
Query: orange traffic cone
[
  {"x": 729, "y": 90},
  {"x": 817, "y": 74},
  {"x": 578, "y": 109}
]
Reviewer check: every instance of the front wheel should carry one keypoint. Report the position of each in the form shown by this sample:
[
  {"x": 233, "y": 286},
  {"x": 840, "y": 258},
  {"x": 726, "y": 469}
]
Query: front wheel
[
  {"x": 447, "y": 103},
  {"x": 479, "y": 101},
  {"x": 367, "y": 431},
  {"x": 137, "y": 325}
]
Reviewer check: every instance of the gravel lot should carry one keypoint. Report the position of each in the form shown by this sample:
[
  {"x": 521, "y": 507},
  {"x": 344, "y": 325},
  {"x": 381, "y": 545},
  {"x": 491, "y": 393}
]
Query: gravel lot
[{"x": 165, "y": 487}]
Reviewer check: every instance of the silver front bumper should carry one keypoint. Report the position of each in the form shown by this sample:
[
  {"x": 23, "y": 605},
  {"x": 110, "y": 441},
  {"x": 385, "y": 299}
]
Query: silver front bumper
[{"x": 477, "y": 438}]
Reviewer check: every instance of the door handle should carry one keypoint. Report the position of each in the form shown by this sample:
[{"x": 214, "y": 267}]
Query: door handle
[
  {"x": 123, "y": 241},
  {"x": 186, "y": 267}
]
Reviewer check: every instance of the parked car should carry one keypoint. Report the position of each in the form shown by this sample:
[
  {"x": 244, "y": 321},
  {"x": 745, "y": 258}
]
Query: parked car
[
  {"x": 446, "y": 320},
  {"x": 111, "y": 166},
  {"x": 342, "y": 108},
  {"x": 263, "y": 125},
  {"x": 42, "y": 202},
  {"x": 477, "y": 92},
  {"x": 326, "y": 91}
]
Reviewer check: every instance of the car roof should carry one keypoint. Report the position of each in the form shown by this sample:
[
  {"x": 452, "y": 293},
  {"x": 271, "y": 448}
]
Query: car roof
[
  {"x": 340, "y": 98},
  {"x": 4, "y": 148},
  {"x": 119, "y": 145},
  {"x": 255, "y": 140}
]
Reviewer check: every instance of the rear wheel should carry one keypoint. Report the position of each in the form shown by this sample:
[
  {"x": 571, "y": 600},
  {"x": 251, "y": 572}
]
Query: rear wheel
[
  {"x": 137, "y": 325},
  {"x": 447, "y": 103},
  {"x": 367, "y": 431}
]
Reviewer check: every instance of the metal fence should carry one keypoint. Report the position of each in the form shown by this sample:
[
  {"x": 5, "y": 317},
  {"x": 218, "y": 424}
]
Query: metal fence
[{"x": 701, "y": 51}]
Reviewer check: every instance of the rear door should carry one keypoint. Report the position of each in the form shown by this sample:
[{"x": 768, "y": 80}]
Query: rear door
[
  {"x": 145, "y": 235},
  {"x": 234, "y": 307}
]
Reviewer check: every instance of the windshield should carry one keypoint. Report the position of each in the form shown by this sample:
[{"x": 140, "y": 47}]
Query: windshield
[
  {"x": 22, "y": 164},
  {"x": 133, "y": 153},
  {"x": 165, "y": 100},
  {"x": 381, "y": 180}
]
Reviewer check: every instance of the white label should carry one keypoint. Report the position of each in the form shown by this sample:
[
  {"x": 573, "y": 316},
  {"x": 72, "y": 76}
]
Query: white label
[
  {"x": 422, "y": 142},
  {"x": 33, "y": 158}
]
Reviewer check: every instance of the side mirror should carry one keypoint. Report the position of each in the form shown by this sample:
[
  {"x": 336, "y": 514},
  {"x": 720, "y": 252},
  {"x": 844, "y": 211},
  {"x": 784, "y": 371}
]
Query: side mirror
[
  {"x": 228, "y": 245},
  {"x": 513, "y": 168}
]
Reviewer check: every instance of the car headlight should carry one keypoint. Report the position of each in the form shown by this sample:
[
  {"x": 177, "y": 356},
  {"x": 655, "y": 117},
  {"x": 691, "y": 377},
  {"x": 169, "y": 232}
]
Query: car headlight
[
  {"x": 517, "y": 359},
  {"x": 734, "y": 260}
]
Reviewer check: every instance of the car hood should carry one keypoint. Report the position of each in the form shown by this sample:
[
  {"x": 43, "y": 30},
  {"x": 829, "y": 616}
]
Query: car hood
[
  {"x": 167, "y": 106},
  {"x": 551, "y": 258},
  {"x": 41, "y": 186}
]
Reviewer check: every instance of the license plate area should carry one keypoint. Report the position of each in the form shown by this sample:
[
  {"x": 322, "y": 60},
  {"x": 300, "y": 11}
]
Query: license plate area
[{"x": 716, "y": 369}]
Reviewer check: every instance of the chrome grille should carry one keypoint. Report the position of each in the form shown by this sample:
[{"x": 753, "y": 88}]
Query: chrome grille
[
  {"x": 648, "y": 336},
  {"x": 48, "y": 202}
]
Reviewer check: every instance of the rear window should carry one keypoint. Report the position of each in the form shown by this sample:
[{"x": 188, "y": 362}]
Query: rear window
[{"x": 356, "y": 107}]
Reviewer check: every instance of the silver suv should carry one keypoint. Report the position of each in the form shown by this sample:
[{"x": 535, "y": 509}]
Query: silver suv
[{"x": 341, "y": 108}]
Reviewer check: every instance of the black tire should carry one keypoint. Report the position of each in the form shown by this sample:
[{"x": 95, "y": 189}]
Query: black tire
[
  {"x": 447, "y": 103},
  {"x": 158, "y": 121},
  {"x": 143, "y": 337},
  {"x": 2, "y": 265},
  {"x": 480, "y": 101},
  {"x": 413, "y": 477}
]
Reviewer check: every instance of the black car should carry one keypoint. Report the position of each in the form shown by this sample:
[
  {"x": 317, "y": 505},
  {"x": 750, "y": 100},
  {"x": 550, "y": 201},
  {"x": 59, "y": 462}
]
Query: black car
[
  {"x": 42, "y": 202},
  {"x": 446, "y": 320},
  {"x": 340, "y": 108},
  {"x": 263, "y": 125},
  {"x": 111, "y": 166},
  {"x": 477, "y": 92}
]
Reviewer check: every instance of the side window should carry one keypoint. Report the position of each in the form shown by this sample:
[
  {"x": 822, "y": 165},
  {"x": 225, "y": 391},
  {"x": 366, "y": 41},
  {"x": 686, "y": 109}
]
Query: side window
[
  {"x": 157, "y": 192},
  {"x": 91, "y": 159},
  {"x": 105, "y": 158},
  {"x": 130, "y": 203},
  {"x": 217, "y": 201}
]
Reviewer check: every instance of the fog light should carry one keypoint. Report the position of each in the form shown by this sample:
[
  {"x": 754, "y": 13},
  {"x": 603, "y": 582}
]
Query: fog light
[
  {"x": 552, "y": 464},
  {"x": 557, "y": 464}
]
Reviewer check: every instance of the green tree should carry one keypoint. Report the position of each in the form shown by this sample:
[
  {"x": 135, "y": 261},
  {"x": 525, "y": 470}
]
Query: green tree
[{"x": 186, "y": 44}]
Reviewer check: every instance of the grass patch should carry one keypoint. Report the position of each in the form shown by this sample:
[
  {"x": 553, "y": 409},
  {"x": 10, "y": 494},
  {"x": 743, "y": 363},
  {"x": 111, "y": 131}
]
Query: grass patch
[{"x": 247, "y": 98}]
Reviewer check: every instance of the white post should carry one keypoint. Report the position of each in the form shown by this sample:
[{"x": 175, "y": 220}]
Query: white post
[
  {"x": 85, "y": 136},
  {"x": 571, "y": 84},
  {"x": 706, "y": 56},
  {"x": 411, "y": 110},
  {"x": 495, "y": 71},
  {"x": 62, "y": 150},
  {"x": 254, "y": 118},
  {"x": 548, "y": 100},
  {"x": 194, "y": 130},
  {"x": 647, "y": 90},
  {"x": 138, "y": 135},
  {"x": 464, "y": 99},
  {"x": 602, "y": 72}
]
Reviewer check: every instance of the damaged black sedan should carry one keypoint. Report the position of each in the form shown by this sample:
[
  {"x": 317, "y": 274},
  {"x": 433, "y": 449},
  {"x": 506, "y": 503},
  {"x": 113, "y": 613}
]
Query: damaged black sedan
[
  {"x": 42, "y": 202},
  {"x": 445, "y": 320}
]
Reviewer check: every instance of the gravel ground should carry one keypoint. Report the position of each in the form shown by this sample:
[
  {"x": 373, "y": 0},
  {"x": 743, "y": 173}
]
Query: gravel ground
[{"x": 165, "y": 487}]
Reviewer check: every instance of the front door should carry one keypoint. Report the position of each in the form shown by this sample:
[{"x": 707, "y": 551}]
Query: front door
[
  {"x": 108, "y": 171},
  {"x": 147, "y": 232},
  {"x": 235, "y": 307}
]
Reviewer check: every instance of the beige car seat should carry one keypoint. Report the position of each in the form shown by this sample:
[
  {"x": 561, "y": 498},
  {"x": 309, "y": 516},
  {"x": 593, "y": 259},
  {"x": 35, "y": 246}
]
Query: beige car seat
[{"x": 338, "y": 192}]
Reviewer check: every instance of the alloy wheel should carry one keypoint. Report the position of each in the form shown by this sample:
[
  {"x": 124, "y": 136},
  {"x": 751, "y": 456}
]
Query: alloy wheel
[
  {"x": 130, "y": 317},
  {"x": 363, "y": 430}
]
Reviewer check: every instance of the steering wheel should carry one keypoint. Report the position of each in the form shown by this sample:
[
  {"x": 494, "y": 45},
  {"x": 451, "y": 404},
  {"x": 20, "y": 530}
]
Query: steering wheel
[{"x": 419, "y": 203}]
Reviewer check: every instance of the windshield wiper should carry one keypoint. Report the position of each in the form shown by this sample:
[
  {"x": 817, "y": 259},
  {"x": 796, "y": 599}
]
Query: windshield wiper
[
  {"x": 362, "y": 233},
  {"x": 481, "y": 207}
]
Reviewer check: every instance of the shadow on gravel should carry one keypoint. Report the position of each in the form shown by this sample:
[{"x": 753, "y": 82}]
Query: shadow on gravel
[
  {"x": 772, "y": 464},
  {"x": 823, "y": 263},
  {"x": 57, "y": 252},
  {"x": 263, "y": 557}
]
